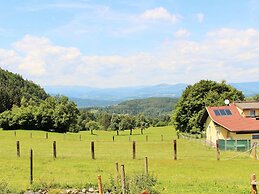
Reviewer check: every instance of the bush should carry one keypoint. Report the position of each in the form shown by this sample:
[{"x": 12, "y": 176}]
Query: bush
[
  {"x": 4, "y": 188},
  {"x": 135, "y": 184}
]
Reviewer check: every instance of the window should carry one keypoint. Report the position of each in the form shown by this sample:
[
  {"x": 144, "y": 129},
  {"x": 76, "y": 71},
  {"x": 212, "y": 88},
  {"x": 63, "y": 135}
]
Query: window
[
  {"x": 222, "y": 112},
  {"x": 252, "y": 113}
]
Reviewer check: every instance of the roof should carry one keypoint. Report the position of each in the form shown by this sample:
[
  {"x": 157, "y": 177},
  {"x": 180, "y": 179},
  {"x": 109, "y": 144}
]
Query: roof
[
  {"x": 234, "y": 122},
  {"x": 247, "y": 105}
]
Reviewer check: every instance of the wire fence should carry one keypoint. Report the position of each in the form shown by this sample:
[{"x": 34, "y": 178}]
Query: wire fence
[{"x": 229, "y": 149}]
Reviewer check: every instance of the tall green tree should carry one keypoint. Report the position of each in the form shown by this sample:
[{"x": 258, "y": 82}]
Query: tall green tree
[
  {"x": 194, "y": 99},
  {"x": 104, "y": 119}
]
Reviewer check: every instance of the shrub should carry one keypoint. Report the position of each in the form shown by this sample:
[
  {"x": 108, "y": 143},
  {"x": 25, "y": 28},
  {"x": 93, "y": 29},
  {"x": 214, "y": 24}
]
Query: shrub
[{"x": 135, "y": 184}]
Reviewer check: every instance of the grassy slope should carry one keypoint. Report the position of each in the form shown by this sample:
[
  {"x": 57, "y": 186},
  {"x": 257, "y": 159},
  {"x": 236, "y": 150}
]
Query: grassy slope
[{"x": 196, "y": 171}]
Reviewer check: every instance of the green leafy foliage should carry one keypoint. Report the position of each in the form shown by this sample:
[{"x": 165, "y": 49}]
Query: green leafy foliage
[
  {"x": 191, "y": 105},
  {"x": 135, "y": 184},
  {"x": 92, "y": 125},
  {"x": 4, "y": 188},
  {"x": 117, "y": 122},
  {"x": 53, "y": 113},
  {"x": 13, "y": 88},
  {"x": 256, "y": 97},
  {"x": 151, "y": 107}
]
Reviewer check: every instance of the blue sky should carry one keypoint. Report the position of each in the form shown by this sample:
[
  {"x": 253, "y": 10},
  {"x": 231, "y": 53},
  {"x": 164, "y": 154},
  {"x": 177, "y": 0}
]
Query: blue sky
[{"x": 129, "y": 43}]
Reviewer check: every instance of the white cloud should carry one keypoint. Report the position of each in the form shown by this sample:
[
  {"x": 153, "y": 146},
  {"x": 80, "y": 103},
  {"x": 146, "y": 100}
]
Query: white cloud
[
  {"x": 40, "y": 55},
  {"x": 228, "y": 54},
  {"x": 182, "y": 33},
  {"x": 8, "y": 58},
  {"x": 200, "y": 17},
  {"x": 159, "y": 13}
]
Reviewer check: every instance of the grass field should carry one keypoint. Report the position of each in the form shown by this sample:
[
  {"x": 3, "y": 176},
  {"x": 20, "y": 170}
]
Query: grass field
[{"x": 195, "y": 171}]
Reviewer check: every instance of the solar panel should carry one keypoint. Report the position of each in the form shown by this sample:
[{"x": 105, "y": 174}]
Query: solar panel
[
  {"x": 222, "y": 112},
  {"x": 217, "y": 113},
  {"x": 228, "y": 112}
]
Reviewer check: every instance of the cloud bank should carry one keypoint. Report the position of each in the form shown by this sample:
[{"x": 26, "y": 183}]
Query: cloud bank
[{"x": 228, "y": 54}]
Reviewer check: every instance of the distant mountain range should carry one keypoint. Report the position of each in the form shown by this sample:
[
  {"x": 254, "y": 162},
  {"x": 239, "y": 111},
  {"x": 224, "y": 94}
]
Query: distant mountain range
[{"x": 88, "y": 96}]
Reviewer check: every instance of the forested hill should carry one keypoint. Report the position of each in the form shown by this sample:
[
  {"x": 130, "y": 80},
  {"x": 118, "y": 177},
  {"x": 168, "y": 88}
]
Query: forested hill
[
  {"x": 13, "y": 87},
  {"x": 153, "y": 107}
]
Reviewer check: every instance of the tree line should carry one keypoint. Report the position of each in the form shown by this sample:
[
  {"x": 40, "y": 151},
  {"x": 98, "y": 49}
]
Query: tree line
[
  {"x": 88, "y": 120},
  {"x": 156, "y": 107},
  {"x": 59, "y": 114},
  {"x": 25, "y": 105}
]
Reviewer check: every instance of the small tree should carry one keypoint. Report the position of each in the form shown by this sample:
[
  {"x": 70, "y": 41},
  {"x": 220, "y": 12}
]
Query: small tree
[
  {"x": 91, "y": 126},
  {"x": 142, "y": 122},
  {"x": 115, "y": 122},
  {"x": 127, "y": 123}
]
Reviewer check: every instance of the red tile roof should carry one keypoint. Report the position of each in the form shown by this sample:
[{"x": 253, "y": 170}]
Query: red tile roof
[{"x": 234, "y": 122}]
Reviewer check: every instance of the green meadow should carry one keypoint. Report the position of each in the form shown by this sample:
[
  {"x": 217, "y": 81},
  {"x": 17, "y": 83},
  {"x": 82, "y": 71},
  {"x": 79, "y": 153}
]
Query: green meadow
[{"x": 195, "y": 171}]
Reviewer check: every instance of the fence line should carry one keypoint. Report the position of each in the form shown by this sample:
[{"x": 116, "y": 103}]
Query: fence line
[{"x": 197, "y": 140}]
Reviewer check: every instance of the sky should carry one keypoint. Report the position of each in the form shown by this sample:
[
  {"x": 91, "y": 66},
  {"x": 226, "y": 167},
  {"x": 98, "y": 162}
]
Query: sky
[{"x": 119, "y": 43}]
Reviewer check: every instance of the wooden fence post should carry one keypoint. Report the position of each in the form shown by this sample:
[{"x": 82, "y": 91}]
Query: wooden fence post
[
  {"x": 117, "y": 170},
  {"x": 100, "y": 188},
  {"x": 253, "y": 184},
  {"x": 175, "y": 150},
  {"x": 134, "y": 149},
  {"x": 146, "y": 138},
  {"x": 80, "y": 137},
  {"x": 162, "y": 138},
  {"x": 92, "y": 150},
  {"x": 18, "y": 148},
  {"x": 30, "y": 135},
  {"x": 14, "y": 133},
  {"x": 146, "y": 165},
  {"x": 113, "y": 138},
  {"x": 54, "y": 149},
  {"x": 31, "y": 166},
  {"x": 47, "y": 135},
  {"x": 218, "y": 152},
  {"x": 123, "y": 181}
]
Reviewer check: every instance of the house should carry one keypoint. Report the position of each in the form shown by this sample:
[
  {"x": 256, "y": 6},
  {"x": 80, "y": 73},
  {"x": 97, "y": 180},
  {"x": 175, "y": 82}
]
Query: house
[{"x": 238, "y": 121}]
